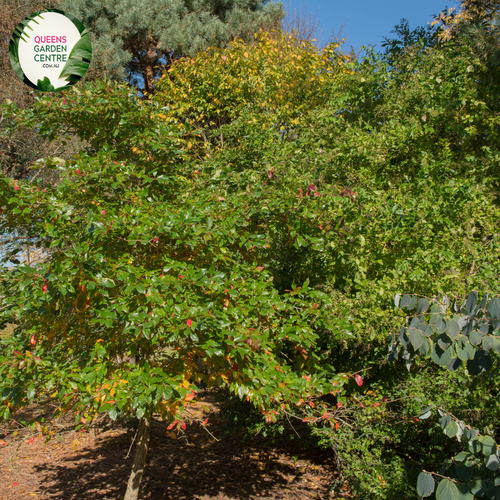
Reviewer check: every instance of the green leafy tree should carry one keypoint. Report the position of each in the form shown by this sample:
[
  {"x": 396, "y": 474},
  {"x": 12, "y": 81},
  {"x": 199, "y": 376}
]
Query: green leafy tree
[
  {"x": 157, "y": 281},
  {"x": 138, "y": 41}
]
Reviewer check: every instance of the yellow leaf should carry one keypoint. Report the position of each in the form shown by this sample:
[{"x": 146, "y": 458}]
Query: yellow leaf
[{"x": 173, "y": 435}]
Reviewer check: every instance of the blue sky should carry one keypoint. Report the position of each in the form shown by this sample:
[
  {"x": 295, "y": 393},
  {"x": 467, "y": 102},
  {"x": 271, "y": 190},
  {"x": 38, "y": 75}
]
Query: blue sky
[{"x": 367, "y": 22}]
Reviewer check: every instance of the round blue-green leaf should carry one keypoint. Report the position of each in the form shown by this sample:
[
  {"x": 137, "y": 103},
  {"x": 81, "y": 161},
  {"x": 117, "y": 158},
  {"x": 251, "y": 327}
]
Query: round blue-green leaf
[
  {"x": 441, "y": 325},
  {"x": 441, "y": 357},
  {"x": 488, "y": 342},
  {"x": 466, "y": 352},
  {"x": 416, "y": 337},
  {"x": 464, "y": 473},
  {"x": 494, "y": 308},
  {"x": 451, "y": 429},
  {"x": 426, "y": 412},
  {"x": 405, "y": 300},
  {"x": 471, "y": 301},
  {"x": 493, "y": 492},
  {"x": 488, "y": 445},
  {"x": 481, "y": 363},
  {"x": 464, "y": 492},
  {"x": 475, "y": 337},
  {"x": 478, "y": 488},
  {"x": 425, "y": 484},
  {"x": 412, "y": 303},
  {"x": 452, "y": 329},
  {"x": 422, "y": 306},
  {"x": 447, "y": 490},
  {"x": 454, "y": 364},
  {"x": 492, "y": 462}
]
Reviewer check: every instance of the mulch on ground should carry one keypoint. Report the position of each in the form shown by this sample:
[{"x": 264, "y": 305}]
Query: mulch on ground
[{"x": 95, "y": 465}]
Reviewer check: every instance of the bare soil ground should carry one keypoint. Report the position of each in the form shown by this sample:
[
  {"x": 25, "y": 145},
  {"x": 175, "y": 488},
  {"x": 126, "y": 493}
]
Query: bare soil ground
[{"x": 94, "y": 465}]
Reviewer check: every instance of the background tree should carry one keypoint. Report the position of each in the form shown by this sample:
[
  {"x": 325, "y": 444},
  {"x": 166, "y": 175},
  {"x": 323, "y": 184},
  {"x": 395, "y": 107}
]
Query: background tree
[{"x": 139, "y": 41}]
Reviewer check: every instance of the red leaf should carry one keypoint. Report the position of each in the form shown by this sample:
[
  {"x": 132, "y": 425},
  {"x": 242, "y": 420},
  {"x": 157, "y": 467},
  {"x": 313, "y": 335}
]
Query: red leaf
[
  {"x": 31, "y": 440},
  {"x": 183, "y": 426},
  {"x": 78, "y": 171},
  {"x": 317, "y": 194},
  {"x": 172, "y": 425},
  {"x": 16, "y": 187},
  {"x": 270, "y": 173},
  {"x": 359, "y": 380},
  {"x": 103, "y": 212},
  {"x": 3, "y": 443},
  {"x": 44, "y": 288},
  {"x": 205, "y": 421},
  {"x": 33, "y": 340},
  {"x": 337, "y": 425},
  {"x": 15, "y": 484},
  {"x": 189, "y": 323},
  {"x": 301, "y": 193}
]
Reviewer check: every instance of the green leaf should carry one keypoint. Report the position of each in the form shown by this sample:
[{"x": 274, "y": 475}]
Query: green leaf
[
  {"x": 426, "y": 412},
  {"x": 481, "y": 363},
  {"x": 75, "y": 65},
  {"x": 404, "y": 301},
  {"x": 451, "y": 429},
  {"x": 478, "y": 487},
  {"x": 422, "y": 306},
  {"x": 464, "y": 473},
  {"x": 447, "y": 490},
  {"x": 441, "y": 357},
  {"x": 412, "y": 303},
  {"x": 464, "y": 492},
  {"x": 494, "y": 308},
  {"x": 475, "y": 337},
  {"x": 425, "y": 484},
  {"x": 488, "y": 445},
  {"x": 492, "y": 462},
  {"x": 416, "y": 337},
  {"x": 452, "y": 329},
  {"x": 471, "y": 302}
]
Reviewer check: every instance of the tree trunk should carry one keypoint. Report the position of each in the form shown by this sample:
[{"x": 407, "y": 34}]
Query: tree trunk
[{"x": 134, "y": 481}]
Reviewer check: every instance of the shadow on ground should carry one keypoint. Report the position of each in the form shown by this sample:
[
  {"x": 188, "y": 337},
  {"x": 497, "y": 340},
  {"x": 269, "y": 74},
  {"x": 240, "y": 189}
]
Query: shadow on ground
[{"x": 194, "y": 466}]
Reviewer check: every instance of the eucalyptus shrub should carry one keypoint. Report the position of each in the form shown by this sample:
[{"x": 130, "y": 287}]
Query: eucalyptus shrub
[{"x": 452, "y": 334}]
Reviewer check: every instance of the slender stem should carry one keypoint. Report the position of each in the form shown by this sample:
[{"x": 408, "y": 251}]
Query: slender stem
[{"x": 135, "y": 478}]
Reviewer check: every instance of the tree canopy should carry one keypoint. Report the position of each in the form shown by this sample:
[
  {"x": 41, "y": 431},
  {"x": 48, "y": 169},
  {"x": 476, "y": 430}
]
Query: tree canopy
[{"x": 139, "y": 40}]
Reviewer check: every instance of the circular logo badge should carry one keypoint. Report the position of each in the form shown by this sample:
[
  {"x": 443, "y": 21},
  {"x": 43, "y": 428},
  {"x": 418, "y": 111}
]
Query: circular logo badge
[{"x": 50, "y": 50}]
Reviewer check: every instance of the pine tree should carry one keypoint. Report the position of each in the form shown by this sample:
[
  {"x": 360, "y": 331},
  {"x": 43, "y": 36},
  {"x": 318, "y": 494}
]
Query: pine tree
[{"x": 138, "y": 40}]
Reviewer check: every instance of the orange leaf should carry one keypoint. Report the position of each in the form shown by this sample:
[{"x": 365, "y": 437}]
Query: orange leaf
[{"x": 3, "y": 443}]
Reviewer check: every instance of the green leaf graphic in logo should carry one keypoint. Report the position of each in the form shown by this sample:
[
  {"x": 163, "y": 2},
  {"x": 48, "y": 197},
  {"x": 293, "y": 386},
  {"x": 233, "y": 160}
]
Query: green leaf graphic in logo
[
  {"x": 14, "y": 42},
  {"x": 79, "y": 59},
  {"x": 45, "y": 85}
]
